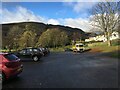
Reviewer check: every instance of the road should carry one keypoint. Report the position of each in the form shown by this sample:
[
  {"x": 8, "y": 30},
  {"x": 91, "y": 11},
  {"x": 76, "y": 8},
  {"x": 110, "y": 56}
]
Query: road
[{"x": 68, "y": 70}]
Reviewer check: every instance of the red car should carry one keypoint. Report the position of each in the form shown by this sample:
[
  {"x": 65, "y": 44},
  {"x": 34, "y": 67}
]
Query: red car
[{"x": 10, "y": 66}]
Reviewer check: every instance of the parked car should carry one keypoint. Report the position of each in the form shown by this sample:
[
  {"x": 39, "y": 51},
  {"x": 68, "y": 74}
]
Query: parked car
[
  {"x": 29, "y": 53},
  {"x": 10, "y": 66},
  {"x": 45, "y": 51}
]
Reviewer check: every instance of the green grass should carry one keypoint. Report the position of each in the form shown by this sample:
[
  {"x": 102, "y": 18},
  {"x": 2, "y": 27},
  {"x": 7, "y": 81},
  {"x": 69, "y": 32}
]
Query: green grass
[
  {"x": 57, "y": 49},
  {"x": 7, "y": 50},
  {"x": 60, "y": 49},
  {"x": 102, "y": 47}
]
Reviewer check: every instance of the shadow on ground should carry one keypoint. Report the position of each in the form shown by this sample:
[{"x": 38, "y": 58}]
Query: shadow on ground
[{"x": 12, "y": 80}]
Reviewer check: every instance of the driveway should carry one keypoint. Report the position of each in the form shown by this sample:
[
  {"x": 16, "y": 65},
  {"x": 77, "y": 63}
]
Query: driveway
[{"x": 68, "y": 70}]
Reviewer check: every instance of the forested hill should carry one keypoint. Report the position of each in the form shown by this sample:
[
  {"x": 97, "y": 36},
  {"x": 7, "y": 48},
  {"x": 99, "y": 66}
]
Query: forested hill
[
  {"x": 41, "y": 27},
  {"x": 27, "y": 34}
]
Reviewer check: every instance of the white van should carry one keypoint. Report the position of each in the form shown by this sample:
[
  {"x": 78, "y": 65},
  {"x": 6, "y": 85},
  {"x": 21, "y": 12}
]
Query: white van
[{"x": 79, "y": 47}]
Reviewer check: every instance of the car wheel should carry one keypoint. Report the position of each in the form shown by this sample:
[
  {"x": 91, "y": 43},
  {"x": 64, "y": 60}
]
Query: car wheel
[{"x": 35, "y": 58}]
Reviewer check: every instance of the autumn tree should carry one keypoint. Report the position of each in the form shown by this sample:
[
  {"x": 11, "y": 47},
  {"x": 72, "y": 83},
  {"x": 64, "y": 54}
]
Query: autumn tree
[
  {"x": 13, "y": 36},
  {"x": 118, "y": 29},
  {"x": 106, "y": 17},
  {"x": 27, "y": 39},
  {"x": 45, "y": 39},
  {"x": 63, "y": 38},
  {"x": 53, "y": 38}
]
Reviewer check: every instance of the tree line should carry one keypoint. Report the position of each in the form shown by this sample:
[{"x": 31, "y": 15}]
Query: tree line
[{"x": 19, "y": 37}]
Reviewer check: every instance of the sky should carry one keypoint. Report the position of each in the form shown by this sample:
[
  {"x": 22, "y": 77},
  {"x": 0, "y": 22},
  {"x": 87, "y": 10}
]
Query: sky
[{"x": 73, "y": 14}]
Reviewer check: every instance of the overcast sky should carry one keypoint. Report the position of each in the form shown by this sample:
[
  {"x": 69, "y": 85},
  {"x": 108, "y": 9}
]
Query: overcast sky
[{"x": 73, "y": 14}]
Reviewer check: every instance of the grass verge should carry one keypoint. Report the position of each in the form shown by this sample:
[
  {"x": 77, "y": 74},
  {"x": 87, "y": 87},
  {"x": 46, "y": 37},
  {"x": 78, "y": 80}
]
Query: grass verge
[{"x": 112, "y": 51}]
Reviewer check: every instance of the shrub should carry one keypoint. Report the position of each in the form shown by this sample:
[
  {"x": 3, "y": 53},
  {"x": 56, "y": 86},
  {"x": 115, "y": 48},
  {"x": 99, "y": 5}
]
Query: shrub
[{"x": 116, "y": 42}]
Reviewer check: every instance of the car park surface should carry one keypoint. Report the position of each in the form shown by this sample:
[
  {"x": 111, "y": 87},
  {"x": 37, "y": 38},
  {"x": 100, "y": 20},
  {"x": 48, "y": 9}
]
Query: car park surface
[{"x": 68, "y": 70}]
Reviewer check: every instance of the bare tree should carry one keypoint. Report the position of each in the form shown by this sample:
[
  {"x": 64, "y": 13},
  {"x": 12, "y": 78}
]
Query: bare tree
[
  {"x": 106, "y": 16},
  {"x": 118, "y": 28}
]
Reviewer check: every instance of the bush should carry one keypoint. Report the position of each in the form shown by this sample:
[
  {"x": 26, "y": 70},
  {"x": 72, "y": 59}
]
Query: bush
[
  {"x": 58, "y": 49},
  {"x": 53, "y": 38},
  {"x": 116, "y": 42}
]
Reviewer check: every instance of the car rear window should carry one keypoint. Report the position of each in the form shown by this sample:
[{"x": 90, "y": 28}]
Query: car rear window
[{"x": 10, "y": 57}]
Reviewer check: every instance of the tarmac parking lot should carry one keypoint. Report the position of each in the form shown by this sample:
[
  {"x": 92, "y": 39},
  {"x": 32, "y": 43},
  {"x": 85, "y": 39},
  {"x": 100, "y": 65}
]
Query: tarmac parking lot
[{"x": 68, "y": 70}]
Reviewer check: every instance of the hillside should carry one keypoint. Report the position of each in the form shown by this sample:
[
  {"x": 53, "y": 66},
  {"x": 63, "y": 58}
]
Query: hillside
[
  {"x": 8, "y": 39},
  {"x": 41, "y": 27}
]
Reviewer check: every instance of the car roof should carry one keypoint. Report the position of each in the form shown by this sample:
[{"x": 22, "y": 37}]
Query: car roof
[
  {"x": 29, "y": 48},
  {"x": 79, "y": 44}
]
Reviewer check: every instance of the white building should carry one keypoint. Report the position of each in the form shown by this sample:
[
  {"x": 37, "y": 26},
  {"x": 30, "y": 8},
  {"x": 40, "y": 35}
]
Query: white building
[{"x": 115, "y": 35}]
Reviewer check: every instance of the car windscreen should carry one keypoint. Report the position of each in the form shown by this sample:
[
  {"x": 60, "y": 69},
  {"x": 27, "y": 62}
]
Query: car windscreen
[
  {"x": 80, "y": 45},
  {"x": 11, "y": 57}
]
